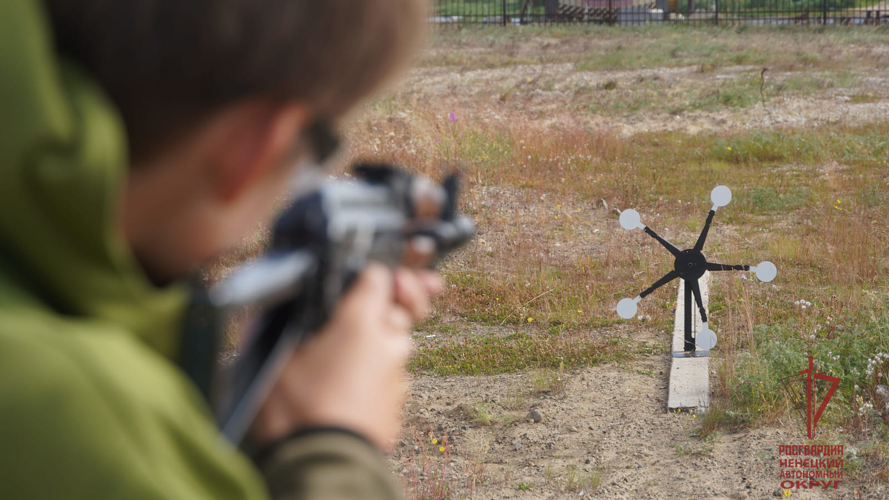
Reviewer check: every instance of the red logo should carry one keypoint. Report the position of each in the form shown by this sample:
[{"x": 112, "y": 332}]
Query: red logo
[
  {"x": 811, "y": 376},
  {"x": 819, "y": 466}
]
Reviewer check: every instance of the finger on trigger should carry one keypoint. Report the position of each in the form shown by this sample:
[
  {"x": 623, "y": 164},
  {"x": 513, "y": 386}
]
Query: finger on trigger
[{"x": 410, "y": 293}]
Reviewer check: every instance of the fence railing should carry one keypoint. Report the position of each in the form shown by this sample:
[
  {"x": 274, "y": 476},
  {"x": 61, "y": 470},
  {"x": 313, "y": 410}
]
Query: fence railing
[{"x": 638, "y": 12}]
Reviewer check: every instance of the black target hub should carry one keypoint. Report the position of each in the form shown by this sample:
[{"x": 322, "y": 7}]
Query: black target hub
[{"x": 690, "y": 264}]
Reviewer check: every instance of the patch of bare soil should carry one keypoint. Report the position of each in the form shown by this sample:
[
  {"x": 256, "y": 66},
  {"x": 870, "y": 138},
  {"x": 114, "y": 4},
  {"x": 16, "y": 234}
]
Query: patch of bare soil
[
  {"x": 561, "y": 95},
  {"x": 607, "y": 424}
]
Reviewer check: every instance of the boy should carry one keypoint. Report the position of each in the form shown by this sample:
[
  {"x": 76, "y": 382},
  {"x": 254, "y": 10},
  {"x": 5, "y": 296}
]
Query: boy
[{"x": 138, "y": 139}]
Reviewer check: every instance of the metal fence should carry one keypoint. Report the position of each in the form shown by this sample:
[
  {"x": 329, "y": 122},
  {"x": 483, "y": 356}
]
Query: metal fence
[{"x": 639, "y": 12}]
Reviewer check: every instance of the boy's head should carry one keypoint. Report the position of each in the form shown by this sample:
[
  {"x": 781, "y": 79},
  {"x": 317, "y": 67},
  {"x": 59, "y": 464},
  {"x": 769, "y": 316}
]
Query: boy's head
[{"x": 221, "y": 97}]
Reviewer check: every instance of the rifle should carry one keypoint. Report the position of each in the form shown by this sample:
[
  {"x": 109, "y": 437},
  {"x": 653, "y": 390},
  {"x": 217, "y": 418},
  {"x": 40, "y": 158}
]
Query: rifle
[{"x": 319, "y": 246}]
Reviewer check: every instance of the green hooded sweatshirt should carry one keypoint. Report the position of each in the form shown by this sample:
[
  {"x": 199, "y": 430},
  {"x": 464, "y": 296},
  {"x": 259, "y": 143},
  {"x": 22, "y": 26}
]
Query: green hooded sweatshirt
[{"x": 92, "y": 404}]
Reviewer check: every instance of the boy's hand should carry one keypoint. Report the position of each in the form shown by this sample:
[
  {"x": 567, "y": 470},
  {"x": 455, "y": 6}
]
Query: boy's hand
[{"x": 351, "y": 373}]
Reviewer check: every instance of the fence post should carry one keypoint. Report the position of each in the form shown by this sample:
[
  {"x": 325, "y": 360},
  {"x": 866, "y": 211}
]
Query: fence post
[
  {"x": 691, "y": 9},
  {"x": 717, "y": 11},
  {"x": 504, "y": 12},
  {"x": 824, "y": 16}
]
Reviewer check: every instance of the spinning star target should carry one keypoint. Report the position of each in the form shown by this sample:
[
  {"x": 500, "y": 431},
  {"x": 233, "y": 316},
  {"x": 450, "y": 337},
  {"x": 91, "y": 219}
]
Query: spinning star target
[{"x": 690, "y": 265}]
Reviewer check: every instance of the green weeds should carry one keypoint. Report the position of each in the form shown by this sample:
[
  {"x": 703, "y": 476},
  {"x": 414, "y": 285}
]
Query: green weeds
[
  {"x": 518, "y": 352},
  {"x": 852, "y": 345}
]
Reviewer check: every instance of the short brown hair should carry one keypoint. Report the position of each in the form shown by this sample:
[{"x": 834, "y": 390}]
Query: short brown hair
[{"x": 167, "y": 64}]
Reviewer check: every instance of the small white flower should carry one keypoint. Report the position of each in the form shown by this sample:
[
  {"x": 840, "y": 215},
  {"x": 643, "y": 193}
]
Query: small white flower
[
  {"x": 812, "y": 337},
  {"x": 803, "y": 307}
]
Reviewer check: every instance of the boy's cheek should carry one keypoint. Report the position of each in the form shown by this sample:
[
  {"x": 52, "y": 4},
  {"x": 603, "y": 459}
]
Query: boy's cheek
[{"x": 244, "y": 222}]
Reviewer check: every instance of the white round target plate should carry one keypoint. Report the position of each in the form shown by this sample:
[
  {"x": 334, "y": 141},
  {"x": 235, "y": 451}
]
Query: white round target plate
[
  {"x": 721, "y": 196},
  {"x": 766, "y": 271},
  {"x": 705, "y": 340},
  {"x": 629, "y": 219},
  {"x": 626, "y": 308}
]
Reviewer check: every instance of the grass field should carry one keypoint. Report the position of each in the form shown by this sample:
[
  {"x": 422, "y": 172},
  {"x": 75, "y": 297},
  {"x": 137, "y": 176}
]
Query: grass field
[
  {"x": 556, "y": 129},
  {"x": 551, "y": 125}
]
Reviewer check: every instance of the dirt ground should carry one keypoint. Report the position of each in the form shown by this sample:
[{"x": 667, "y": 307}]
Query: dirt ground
[
  {"x": 608, "y": 422},
  {"x": 570, "y": 81},
  {"x": 555, "y": 104}
]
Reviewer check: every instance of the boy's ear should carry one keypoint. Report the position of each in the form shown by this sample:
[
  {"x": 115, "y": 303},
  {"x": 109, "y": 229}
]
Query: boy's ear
[{"x": 254, "y": 141}]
